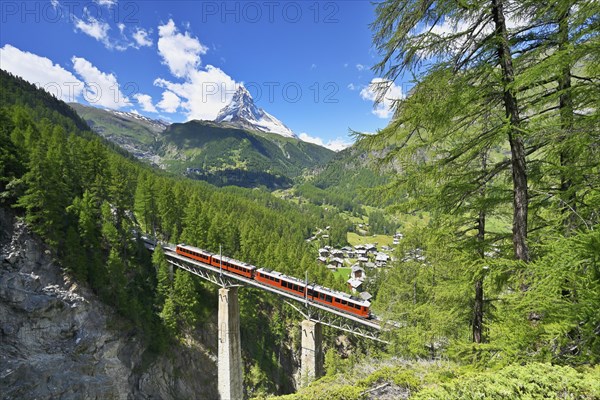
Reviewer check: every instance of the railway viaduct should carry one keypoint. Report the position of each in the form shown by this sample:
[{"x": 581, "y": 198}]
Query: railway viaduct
[{"x": 229, "y": 369}]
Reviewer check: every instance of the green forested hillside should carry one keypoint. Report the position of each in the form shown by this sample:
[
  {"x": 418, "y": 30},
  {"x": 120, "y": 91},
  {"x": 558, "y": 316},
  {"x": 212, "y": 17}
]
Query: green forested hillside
[
  {"x": 91, "y": 204},
  {"x": 209, "y": 151},
  {"x": 348, "y": 181},
  {"x": 222, "y": 152}
]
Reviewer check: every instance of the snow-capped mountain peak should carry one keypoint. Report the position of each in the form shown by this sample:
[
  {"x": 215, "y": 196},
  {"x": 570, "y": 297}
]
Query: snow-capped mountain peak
[{"x": 242, "y": 112}]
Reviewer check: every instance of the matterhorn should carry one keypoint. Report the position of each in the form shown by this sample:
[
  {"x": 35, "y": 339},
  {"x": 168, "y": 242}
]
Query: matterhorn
[{"x": 243, "y": 113}]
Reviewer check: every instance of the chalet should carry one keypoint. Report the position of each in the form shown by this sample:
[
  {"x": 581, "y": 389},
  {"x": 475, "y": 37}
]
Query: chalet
[
  {"x": 381, "y": 259},
  {"x": 362, "y": 260},
  {"x": 355, "y": 284},
  {"x": 357, "y": 272},
  {"x": 370, "y": 265},
  {"x": 323, "y": 252},
  {"x": 331, "y": 267},
  {"x": 338, "y": 262},
  {"x": 337, "y": 253},
  {"x": 322, "y": 260},
  {"x": 371, "y": 248},
  {"x": 361, "y": 253}
]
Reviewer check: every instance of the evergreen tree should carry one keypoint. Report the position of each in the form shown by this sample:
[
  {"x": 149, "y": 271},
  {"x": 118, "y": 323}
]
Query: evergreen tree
[{"x": 181, "y": 308}]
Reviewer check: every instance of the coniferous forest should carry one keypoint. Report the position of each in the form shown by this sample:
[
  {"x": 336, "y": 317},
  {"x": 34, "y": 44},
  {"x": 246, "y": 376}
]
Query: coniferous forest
[{"x": 497, "y": 145}]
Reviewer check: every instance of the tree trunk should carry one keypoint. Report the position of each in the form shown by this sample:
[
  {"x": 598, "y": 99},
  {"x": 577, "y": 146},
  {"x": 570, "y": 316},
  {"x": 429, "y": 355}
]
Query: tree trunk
[
  {"x": 517, "y": 147},
  {"x": 478, "y": 307},
  {"x": 566, "y": 124},
  {"x": 478, "y": 312}
]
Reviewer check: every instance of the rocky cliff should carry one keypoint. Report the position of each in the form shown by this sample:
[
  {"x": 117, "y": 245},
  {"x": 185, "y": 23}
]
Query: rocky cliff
[{"x": 58, "y": 341}]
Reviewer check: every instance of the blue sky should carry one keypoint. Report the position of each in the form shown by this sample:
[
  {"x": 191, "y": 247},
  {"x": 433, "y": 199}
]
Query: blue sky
[{"x": 305, "y": 62}]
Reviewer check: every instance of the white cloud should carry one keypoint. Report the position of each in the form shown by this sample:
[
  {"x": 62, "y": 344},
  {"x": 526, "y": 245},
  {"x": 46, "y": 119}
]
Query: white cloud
[
  {"x": 313, "y": 66},
  {"x": 180, "y": 52},
  {"x": 101, "y": 88},
  {"x": 145, "y": 101},
  {"x": 360, "y": 67},
  {"x": 107, "y": 3},
  {"x": 55, "y": 4},
  {"x": 42, "y": 72},
  {"x": 94, "y": 28},
  {"x": 141, "y": 38},
  {"x": 205, "y": 91},
  {"x": 336, "y": 144},
  {"x": 169, "y": 103},
  {"x": 383, "y": 93},
  {"x": 351, "y": 86},
  {"x": 121, "y": 27}
]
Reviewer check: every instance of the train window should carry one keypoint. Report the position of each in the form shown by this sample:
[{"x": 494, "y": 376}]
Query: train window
[
  {"x": 344, "y": 302},
  {"x": 328, "y": 299},
  {"x": 277, "y": 280},
  {"x": 310, "y": 292},
  {"x": 321, "y": 296}
]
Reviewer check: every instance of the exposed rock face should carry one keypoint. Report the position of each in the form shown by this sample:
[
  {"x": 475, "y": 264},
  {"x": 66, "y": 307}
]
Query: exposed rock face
[{"x": 58, "y": 341}]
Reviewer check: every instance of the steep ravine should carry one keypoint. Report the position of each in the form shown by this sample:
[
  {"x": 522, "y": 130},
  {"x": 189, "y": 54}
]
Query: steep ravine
[{"x": 58, "y": 341}]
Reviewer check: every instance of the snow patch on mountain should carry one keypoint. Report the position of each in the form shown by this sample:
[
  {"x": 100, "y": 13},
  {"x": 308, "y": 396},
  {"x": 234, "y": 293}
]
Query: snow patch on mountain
[
  {"x": 156, "y": 123},
  {"x": 243, "y": 113}
]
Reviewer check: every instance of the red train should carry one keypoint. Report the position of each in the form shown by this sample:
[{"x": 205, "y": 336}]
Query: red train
[{"x": 314, "y": 293}]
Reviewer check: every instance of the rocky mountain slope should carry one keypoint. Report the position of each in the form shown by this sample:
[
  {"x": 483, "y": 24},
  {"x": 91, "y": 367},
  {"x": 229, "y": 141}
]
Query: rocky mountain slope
[{"x": 59, "y": 341}]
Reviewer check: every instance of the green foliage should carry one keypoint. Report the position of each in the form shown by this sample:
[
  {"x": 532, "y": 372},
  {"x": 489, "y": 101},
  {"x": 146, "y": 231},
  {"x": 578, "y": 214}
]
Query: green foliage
[
  {"x": 440, "y": 380},
  {"x": 532, "y": 381},
  {"x": 181, "y": 307}
]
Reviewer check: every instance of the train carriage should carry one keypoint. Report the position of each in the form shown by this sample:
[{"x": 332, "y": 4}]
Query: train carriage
[
  {"x": 194, "y": 252},
  {"x": 339, "y": 300},
  {"x": 280, "y": 281},
  {"x": 235, "y": 266}
]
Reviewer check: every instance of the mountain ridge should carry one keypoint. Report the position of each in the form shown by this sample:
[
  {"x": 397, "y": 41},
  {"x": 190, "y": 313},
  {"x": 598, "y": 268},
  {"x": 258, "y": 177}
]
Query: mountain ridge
[
  {"x": 220, "y": 153},
  {"x": 241, "y": 112}
]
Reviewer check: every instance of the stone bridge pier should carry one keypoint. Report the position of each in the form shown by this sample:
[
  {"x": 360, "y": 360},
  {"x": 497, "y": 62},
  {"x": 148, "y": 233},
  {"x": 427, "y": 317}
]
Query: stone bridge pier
[
  {"x": 230, "y": 379},
  {"x": 311, "y": 361}
]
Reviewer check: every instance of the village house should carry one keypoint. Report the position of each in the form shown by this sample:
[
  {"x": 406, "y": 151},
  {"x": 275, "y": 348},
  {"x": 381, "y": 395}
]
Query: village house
[
  {"x": 338, "y": 262},
  {"x": 337, "y": 253},
  {"x": 357, "y": 276},
  {"x": 381, "y": 259},
  {"x": 355, "y": 284},
  {"x": 357, "y": 272},
  {"x": 323, "y": 252},
  {"x": 371, "y": 248},
  {"x": 361, "y": 253}
]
